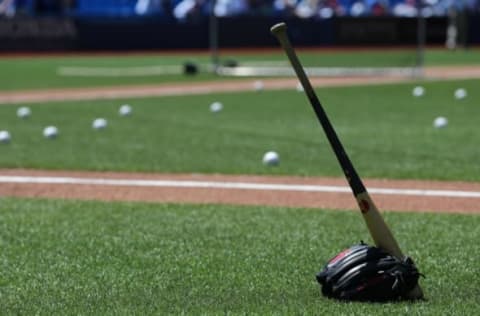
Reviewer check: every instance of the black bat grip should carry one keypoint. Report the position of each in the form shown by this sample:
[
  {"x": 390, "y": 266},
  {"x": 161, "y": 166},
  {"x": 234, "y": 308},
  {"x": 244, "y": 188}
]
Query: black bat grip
[
  {"x": 280, "y": 31},
  {"x": 350, "y": 173}
]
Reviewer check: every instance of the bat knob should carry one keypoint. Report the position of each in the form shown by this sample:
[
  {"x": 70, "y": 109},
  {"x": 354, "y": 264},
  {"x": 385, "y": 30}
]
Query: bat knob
[{"x": 278, "y": 28}]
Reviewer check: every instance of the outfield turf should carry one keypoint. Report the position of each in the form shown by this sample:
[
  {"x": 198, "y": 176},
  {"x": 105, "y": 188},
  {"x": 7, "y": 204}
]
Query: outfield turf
[
  {"x": 387, "y": 132},
  {"x": 42, "y": 72},
  {"x": 78, "y": 258}
]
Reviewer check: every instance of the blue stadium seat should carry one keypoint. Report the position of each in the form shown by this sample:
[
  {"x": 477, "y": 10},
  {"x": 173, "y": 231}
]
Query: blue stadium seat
[{"x": 106, "y": 7}]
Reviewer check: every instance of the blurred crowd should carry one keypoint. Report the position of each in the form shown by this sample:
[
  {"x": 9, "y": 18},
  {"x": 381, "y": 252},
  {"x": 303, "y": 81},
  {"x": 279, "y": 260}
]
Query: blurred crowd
[{"x": 184, "y": 10}]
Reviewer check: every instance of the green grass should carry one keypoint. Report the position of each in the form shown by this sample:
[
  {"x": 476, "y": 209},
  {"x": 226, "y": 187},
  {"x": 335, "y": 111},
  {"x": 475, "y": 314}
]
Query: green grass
[
  {"x": 440, "y": 57},
  {"x": 71, "y": 258},
  {"x": 369, "y": 58},
  {"x": 41, "y": 72},
  {"x": 387, "y": 132}
]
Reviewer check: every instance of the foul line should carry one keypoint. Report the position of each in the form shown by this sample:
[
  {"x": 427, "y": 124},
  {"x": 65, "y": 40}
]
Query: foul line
[{"x": 231, "y": 185}]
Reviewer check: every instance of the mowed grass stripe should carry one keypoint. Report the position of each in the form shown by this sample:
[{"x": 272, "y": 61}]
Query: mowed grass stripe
[
  {"x": 70, "y": 257},
  {"x": 386, "y": 131}
]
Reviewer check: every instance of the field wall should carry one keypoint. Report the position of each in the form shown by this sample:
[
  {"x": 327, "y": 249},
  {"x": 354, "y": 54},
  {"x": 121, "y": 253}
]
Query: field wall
[{"x": 64, "y": 34}]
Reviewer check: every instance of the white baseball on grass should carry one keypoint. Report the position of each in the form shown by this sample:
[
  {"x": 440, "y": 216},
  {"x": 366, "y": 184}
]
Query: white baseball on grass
[
  {"x": 24, "y": 112},
  {"x": 258, "y": 85},
  {"x": 299, "y": 87},
  {"x": 271, "y": 158},
  {"x": 99, "y": 123},
  {"x": 50, "y": 132},
  {"x": 125, "y": 110},
  {"x": 460, "y": 93},
  {"x": 440, "y": 122},
  {"x": 418, "y": 91},
  {"x": 5, "y": 137},
  {"x": 216, "y": 107}
]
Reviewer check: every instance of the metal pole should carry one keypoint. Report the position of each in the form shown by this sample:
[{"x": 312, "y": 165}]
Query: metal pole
[
  {"x": 213, "y": 37},
  {"x": 421, "y": 38}
]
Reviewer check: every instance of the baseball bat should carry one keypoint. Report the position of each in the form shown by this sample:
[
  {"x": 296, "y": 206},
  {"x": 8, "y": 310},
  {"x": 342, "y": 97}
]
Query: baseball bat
[{"x": 379, "y": 230}]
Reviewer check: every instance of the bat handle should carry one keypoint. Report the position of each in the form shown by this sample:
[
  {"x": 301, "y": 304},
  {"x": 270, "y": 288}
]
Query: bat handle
[{"x": 280, "y": 32}]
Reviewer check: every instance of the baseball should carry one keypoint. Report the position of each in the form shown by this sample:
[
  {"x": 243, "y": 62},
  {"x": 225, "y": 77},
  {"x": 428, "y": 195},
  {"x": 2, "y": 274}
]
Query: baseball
[
  {"x": 216, "y": 107},
  {"x": 4, "y": 137},
  {"x": 125, "y": 110},
  {"x": 271, "y": 158},
  {"x": 50, "y": 132},
  {"x": 418, "y": 91},
  {"x": 258, "y": 85},
  {"x": 460, "y": 94},
  {"x": 299, "y": 87},
  {"x": 99, "y": 123},
  {"x": 24, "y": 112},
  {"x": 440, "y": 122}
]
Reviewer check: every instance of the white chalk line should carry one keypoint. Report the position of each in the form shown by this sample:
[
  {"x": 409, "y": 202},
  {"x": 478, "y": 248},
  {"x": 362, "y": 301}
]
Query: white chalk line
[
  {"x": 118, "y": 72},
  {"x": 231, "y": 185}
]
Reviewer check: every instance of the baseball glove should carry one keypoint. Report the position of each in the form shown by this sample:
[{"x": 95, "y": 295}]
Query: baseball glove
[{"x": 366, "y": 273}]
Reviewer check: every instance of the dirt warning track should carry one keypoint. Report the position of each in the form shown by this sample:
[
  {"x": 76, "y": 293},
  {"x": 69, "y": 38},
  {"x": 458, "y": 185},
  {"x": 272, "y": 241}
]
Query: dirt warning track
[{"x": 138, "y": 91}]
